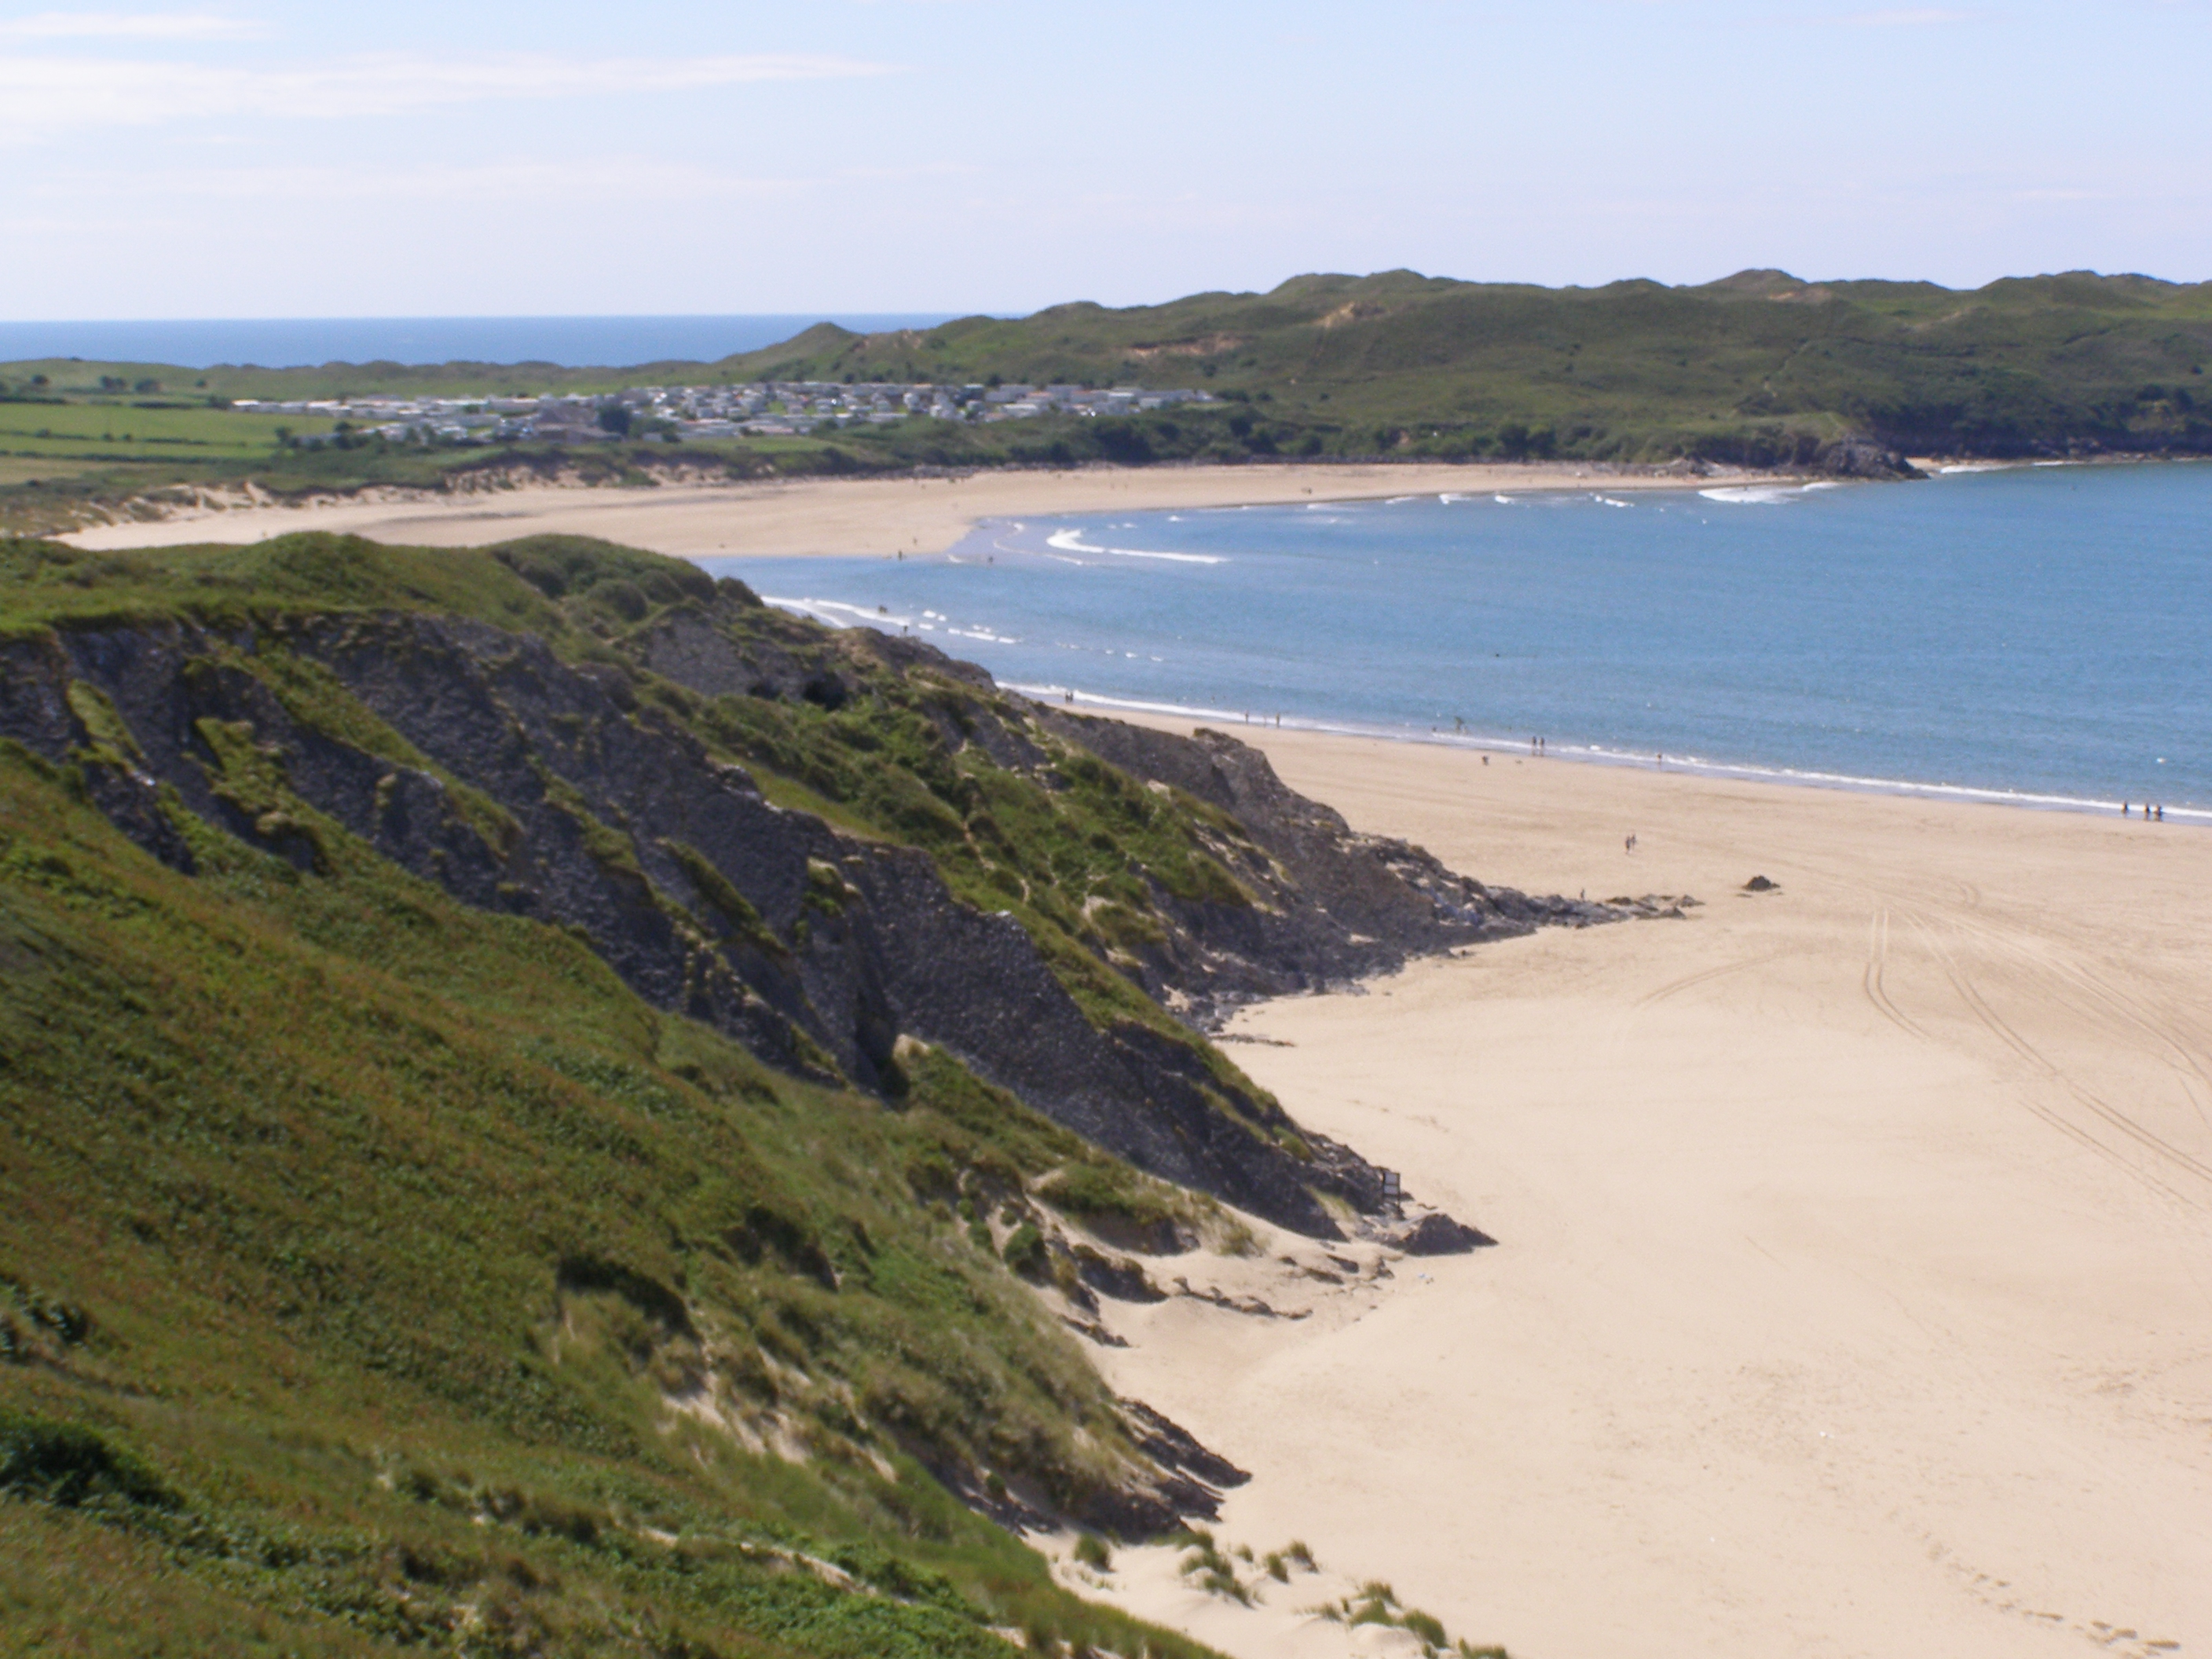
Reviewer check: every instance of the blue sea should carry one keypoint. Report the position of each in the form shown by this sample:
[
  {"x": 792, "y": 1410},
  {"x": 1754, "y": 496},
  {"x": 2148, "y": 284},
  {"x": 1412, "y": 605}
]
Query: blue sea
[
  {"x": 2042, "y": 634},
  {"x": 570, "y": 342}
]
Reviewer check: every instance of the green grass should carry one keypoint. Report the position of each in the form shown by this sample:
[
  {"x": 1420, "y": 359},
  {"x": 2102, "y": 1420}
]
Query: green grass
[
  {"x": 361, "y": 1248},
  {"x": 120, "y": 430},
  {"x": 1376, "y": 1603},
  {"x": 16, "y": 471},
  {"x": 44, "y": 582}
]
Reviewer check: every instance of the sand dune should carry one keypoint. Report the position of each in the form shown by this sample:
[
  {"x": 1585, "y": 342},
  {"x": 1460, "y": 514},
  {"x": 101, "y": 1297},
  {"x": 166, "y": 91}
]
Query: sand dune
[
  {"x": 831, "y": 516},
  {"x": 1854, "y": 1295}
]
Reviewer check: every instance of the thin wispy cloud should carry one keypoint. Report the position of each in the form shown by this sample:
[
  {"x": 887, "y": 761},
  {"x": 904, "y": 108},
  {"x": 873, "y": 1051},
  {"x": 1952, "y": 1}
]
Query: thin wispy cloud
[
  {"x": 619, "y": 178},
  {"x": 1907, "y": 19},
  {"x": 41, "y": 94},
  {"x": 126, "y": 26},
  {"x": 615, "y": 179}
]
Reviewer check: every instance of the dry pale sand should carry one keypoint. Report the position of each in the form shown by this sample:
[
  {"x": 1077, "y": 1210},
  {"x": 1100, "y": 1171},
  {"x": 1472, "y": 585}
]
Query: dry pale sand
[
  {"x": 1855, "y": 1294},
  {"x": 838, "y": 516}
]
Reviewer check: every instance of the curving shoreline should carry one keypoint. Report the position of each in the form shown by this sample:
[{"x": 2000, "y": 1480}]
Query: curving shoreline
[{"x": 1176, "y": 718}]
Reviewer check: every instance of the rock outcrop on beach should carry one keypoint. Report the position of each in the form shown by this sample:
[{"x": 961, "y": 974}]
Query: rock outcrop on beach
[
  {"x": 1437, "y": 1234},
  {"x": 1344, "y": 906}
]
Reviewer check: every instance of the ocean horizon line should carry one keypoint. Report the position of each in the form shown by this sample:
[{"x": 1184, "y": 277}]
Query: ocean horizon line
[{"x": 581, "y": 340}]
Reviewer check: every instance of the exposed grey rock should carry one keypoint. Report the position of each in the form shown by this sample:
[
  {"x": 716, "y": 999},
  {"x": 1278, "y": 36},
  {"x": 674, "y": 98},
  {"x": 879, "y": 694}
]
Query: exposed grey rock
[
  {"x": 1340, "y": 906},
  {"x": 1437, "y": 1234},
  {"x": 1858, "y": 457},
  {"x": 1123, "y": 1280},
  {"x": 608, "y": 816}
]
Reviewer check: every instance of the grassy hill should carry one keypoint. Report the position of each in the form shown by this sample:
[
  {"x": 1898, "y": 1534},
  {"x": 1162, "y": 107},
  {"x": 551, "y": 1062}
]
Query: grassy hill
[
  {"x": 379, "y": 1273},
  {"x": 1759, "y": 368},
  {"x": 548, "y": 1109}
]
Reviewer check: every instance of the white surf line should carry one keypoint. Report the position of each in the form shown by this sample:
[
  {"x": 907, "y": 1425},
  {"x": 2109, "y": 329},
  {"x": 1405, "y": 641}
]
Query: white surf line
[
  {"x": 836, "y": 613},
  {"x": 1066, "y": 693},
  {"x": 1071, "y": 541},
  {"x": 1765, "y": 494},
  {"x": 1598, "y": 755}
]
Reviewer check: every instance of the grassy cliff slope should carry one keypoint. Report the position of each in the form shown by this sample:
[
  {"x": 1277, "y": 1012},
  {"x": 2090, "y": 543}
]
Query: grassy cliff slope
[
  {"x": 530, "y": 1085},
  {"x": 379, "y": 1273}
]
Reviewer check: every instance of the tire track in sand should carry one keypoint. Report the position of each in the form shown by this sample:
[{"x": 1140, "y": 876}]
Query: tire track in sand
[
  {"x": 1675, "y": 987},
  {"x": 1877, "y": 962},
  {"x": 2097, "y": 996},
  {"x": 2175, "y": 1160}
]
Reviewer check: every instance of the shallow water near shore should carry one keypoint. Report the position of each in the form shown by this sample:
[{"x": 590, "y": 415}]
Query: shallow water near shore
[{"x": 2037, "y": 634}]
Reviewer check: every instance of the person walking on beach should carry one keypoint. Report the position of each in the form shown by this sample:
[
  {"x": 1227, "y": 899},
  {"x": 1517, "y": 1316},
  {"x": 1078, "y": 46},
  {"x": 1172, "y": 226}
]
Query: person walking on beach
[{"x": 1630, "y": 844}]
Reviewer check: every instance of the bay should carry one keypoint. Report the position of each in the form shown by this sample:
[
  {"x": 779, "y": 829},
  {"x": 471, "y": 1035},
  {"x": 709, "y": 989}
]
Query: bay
[{"x": 2037, "y": 634}]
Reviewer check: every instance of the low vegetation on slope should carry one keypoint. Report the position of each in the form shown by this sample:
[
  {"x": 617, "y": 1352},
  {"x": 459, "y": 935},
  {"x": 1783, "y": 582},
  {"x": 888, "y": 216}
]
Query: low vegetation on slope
[
  {"x": 1759, "y": 369},
  {"x": 378, "y": 1272},
  {"x": 529, "y": 1082}
]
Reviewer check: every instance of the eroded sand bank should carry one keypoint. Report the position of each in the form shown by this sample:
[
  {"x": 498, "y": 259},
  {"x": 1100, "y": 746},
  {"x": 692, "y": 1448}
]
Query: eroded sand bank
[
  {"x": 840, "y": 516},
  {"x": 1854, "y": 1295}
]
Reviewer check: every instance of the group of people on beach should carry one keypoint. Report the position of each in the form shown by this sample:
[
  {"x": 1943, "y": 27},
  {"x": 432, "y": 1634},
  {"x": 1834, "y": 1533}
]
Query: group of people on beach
[{"x": 2151, "y": 814}]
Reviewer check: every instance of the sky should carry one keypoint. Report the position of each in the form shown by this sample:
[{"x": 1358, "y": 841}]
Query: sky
[{"x": 241, "y": 158}]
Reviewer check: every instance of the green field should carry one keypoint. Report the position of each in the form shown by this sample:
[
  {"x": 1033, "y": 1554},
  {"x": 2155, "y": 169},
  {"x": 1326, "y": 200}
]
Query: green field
[
  {"x": 17, "y": 471},
  {"x": 115, "y": 431},
  {"x": 73, "y": 376}
]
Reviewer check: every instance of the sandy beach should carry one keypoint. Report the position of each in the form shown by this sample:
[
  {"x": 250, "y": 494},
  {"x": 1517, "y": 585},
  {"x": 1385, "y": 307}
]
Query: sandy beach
[
  {"x": 1854, "y": 1294},
  {"x": 882, "y": 517}
]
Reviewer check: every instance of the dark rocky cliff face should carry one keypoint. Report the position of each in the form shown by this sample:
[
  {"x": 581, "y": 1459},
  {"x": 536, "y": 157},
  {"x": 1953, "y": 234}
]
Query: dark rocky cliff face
[
  {"x": 1347, "y": 906},
  {"x": 608, "y": 796}
]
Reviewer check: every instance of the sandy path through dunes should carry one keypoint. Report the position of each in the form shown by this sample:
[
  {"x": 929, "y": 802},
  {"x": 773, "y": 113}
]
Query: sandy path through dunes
[
  {"x": 849, "y": 516},
  {"x": 1856, "y": 1289}
]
